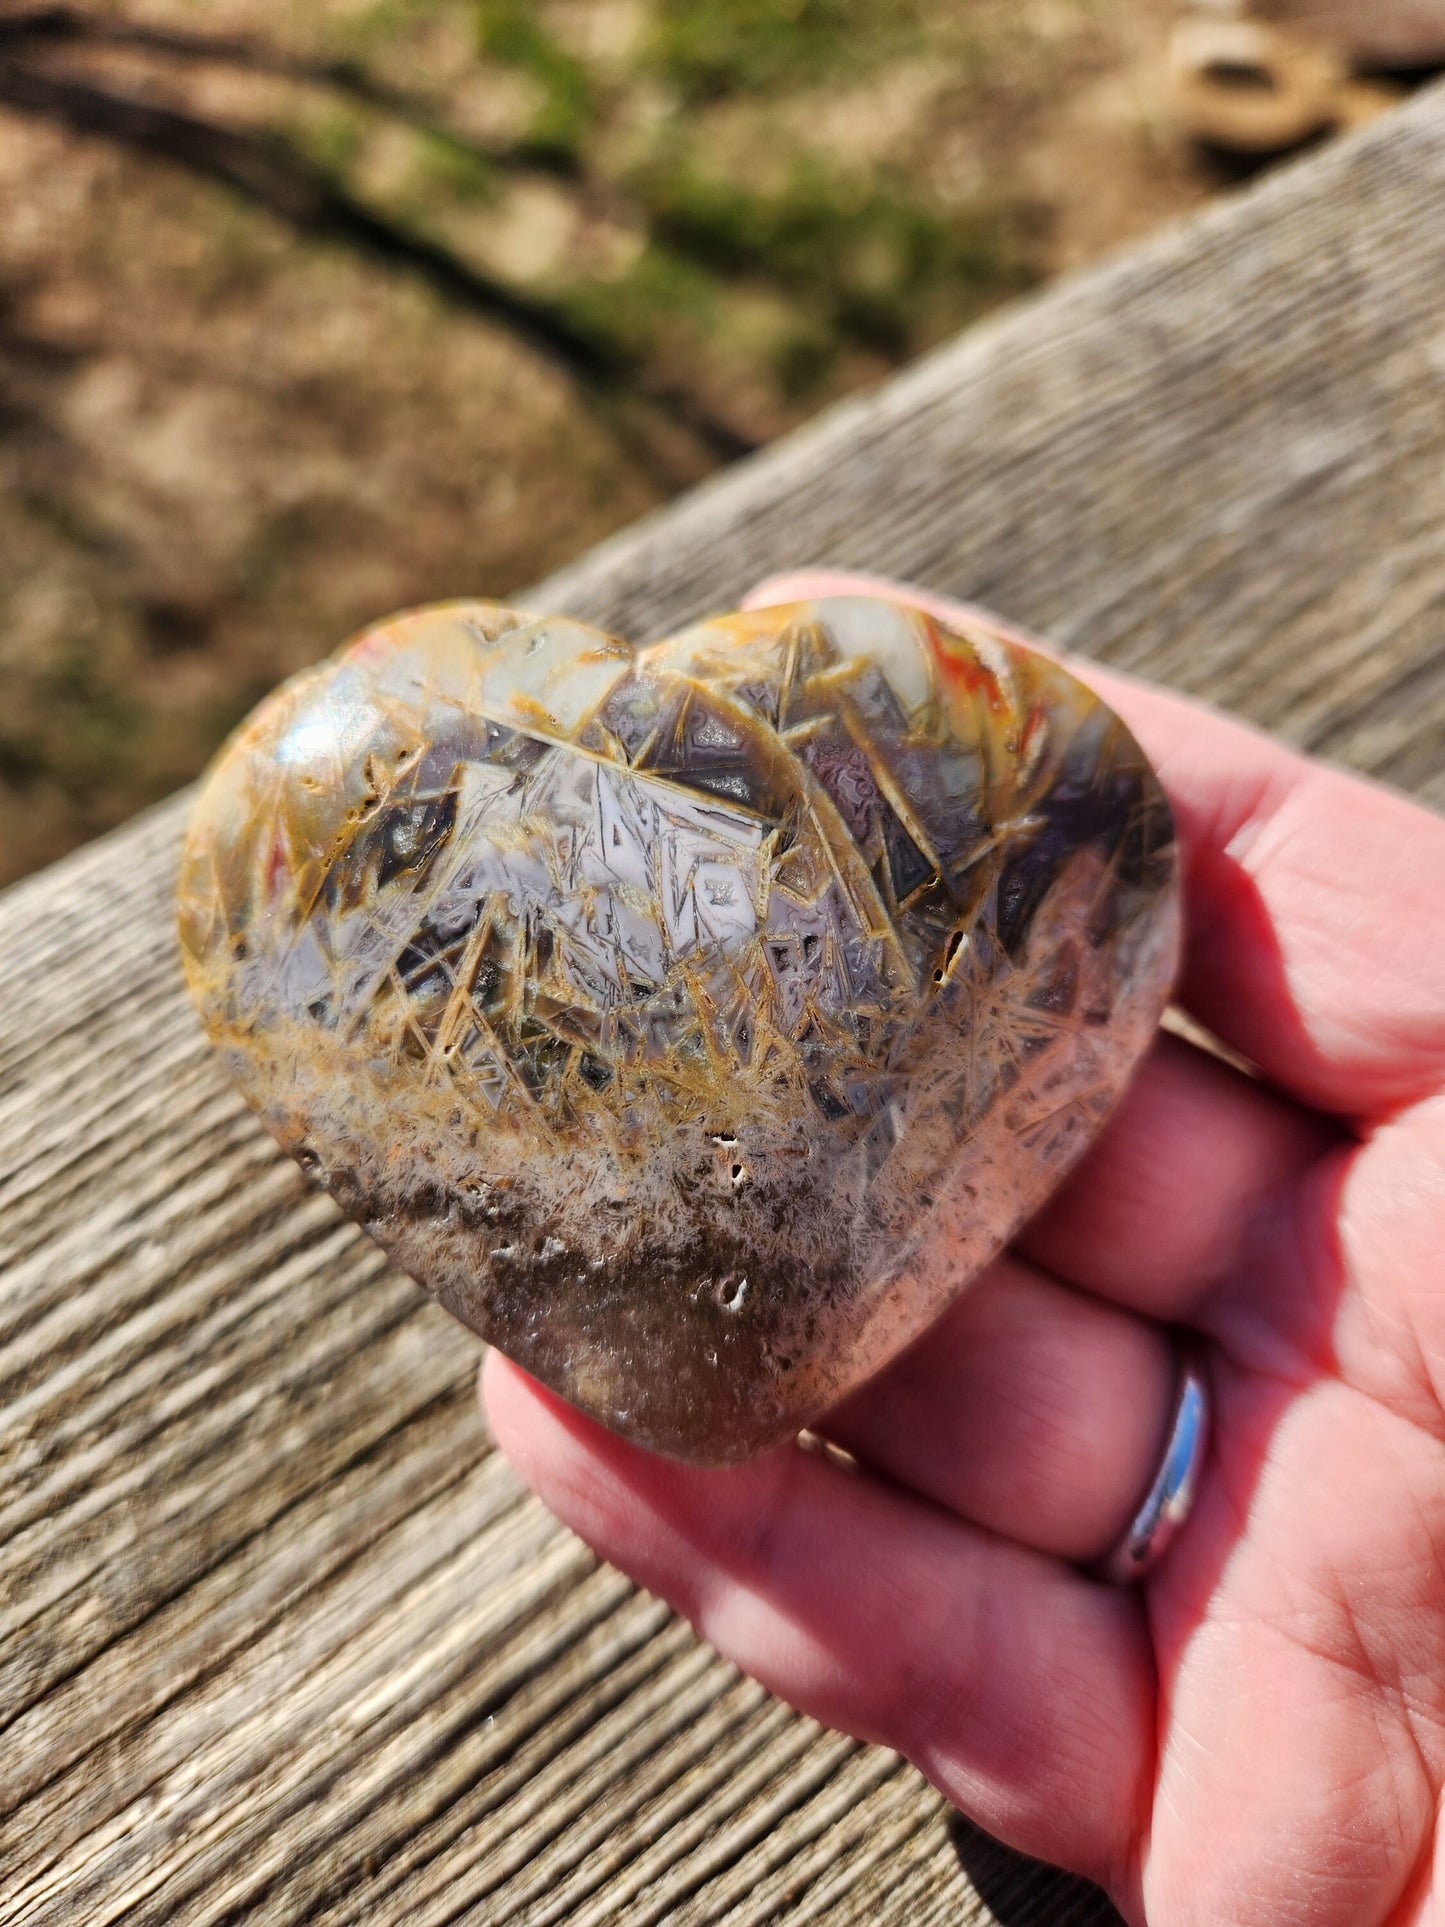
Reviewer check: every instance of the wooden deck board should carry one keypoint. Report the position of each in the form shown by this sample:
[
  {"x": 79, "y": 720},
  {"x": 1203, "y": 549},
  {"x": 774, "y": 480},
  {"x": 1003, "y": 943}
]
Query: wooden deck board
[{"x": 280, "y": 1639}]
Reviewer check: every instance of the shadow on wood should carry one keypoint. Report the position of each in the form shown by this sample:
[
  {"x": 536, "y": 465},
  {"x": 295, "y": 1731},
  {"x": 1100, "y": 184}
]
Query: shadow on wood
[{"x": 1024, "y": 1893}]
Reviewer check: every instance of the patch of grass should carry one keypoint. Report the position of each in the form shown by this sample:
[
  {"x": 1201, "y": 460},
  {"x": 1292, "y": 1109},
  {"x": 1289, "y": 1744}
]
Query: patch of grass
[
  {"x": 867, "y": 254},
  {"x": 708, "y": 49},
  {"x": 96, "y": 732},
  {"x": 330, "y": 138},
  {"x": 841, "y": 264},
  {"x": 510, "y": 31},
  {"x": 803, "y": 361},
  {"x": 662, "y": 288},
  {"x": 447, "y": 166},
  {"x": 377, "y": 27}
]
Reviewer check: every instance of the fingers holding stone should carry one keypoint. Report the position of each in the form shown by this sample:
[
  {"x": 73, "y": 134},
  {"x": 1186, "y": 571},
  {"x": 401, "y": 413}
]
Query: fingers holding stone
[
  {"x": 1031, "y": 1409},
  {"x": 1166, "y": 1211},
  {"x": 1315, "y": 907},
  {"x": 1023, "y": 1690}
]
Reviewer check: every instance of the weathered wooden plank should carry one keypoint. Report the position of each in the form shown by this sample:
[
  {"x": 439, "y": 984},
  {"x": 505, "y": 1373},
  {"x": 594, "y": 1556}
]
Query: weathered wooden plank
[{"x": 279, "y": 1638}]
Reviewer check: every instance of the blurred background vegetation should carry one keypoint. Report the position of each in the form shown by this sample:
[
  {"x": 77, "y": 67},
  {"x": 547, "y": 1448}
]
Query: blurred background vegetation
[{"x": 309, "y": 311}]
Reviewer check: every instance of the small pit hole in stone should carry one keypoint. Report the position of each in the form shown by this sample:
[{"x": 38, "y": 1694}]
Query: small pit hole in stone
[
  {"x": 731, "y": 1293},
  {"x": 948, "y": 956}
]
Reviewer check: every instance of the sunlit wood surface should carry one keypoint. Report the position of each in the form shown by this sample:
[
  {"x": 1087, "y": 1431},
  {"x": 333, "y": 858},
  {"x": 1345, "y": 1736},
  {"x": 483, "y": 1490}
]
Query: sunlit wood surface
[{"x": 280, "y": 1640}]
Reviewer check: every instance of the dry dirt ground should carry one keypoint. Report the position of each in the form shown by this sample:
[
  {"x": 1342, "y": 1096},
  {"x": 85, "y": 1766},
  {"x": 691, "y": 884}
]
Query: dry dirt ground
[{"x": 232, "y": 430}]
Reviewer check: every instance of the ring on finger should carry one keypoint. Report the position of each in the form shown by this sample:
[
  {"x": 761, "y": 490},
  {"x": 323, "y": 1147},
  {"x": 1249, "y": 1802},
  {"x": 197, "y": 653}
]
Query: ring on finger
[{"x": 1172, "y": 1491}]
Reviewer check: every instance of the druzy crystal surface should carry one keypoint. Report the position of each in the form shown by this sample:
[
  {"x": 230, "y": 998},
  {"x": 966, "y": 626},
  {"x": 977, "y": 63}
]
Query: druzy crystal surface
[{"x": 692, "y": 1021}]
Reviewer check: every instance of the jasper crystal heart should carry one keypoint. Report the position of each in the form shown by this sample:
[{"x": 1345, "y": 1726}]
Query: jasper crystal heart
[{"x": 691, "y": 1021}]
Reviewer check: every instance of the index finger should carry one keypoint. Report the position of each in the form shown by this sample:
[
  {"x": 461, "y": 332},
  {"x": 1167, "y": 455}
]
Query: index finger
[{"x": 1315, "y": 900}]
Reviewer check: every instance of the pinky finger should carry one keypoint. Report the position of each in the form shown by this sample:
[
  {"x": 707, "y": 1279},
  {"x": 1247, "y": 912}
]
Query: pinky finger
[{"x": 1024, "y": 1691}]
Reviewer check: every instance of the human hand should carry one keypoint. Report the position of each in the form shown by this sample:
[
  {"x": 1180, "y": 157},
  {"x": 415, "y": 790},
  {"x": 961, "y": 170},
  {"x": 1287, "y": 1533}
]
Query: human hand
[{"x": 1256, "y": 1734}]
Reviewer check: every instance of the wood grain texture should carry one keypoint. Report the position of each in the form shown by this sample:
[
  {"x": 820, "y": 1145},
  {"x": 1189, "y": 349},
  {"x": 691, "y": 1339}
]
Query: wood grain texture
[{"x": 280, "y": 1640}]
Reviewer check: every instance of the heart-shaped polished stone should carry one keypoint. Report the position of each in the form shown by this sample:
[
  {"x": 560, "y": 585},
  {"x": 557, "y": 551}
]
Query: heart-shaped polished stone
[{"x": 692, "y": 1021}]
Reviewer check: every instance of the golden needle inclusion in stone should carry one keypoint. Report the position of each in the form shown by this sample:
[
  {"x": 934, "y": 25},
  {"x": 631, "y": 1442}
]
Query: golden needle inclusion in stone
[{"x": 693, "y": 1021}]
